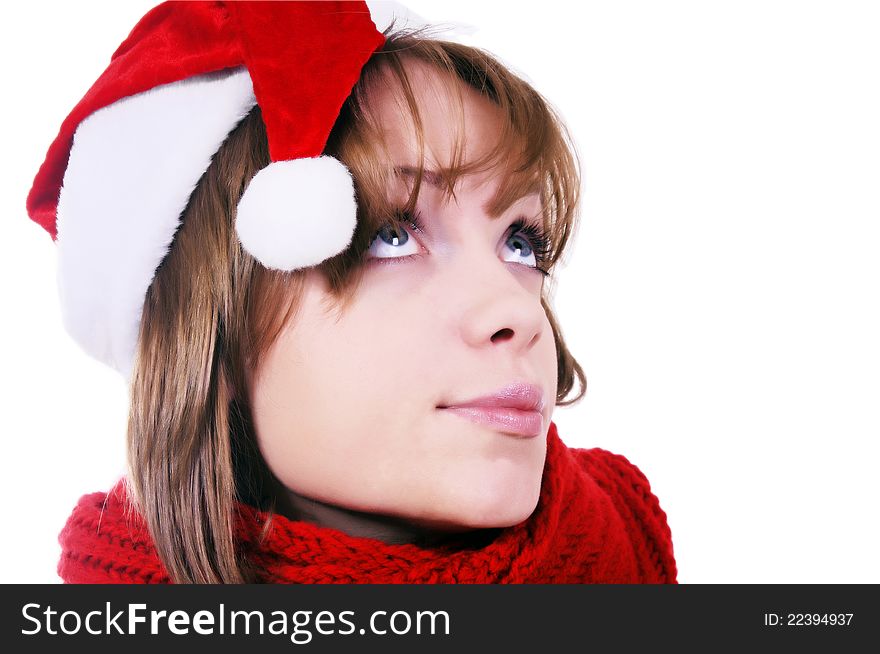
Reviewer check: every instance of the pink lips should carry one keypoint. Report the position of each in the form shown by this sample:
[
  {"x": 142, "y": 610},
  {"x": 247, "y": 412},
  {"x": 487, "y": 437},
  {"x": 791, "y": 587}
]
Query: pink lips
[{"x": 515, "y": 409}]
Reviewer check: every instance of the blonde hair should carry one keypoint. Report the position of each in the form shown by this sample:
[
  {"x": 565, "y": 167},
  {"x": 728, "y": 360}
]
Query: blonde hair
[{"x": 212, "y": 312}]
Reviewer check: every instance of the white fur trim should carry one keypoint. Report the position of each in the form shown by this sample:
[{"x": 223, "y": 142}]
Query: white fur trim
[
  {"x": 383, "y": 12},
  {"x": 297, "y": 213},
  {"x": 131, "y": 171}
]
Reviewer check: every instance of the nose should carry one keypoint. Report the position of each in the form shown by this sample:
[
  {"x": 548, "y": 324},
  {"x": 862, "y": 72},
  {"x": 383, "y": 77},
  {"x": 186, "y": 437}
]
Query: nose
[{"x": 500, "y": 302}]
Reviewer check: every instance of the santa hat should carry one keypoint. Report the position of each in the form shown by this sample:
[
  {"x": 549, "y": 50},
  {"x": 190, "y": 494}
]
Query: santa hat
[{"x": 126, "y": 160}]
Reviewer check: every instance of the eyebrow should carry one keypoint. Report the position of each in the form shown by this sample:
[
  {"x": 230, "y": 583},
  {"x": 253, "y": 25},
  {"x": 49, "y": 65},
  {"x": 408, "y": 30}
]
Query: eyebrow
[
  {"x": 434, "y": 179},
  {"x": 430, "y": 176}
]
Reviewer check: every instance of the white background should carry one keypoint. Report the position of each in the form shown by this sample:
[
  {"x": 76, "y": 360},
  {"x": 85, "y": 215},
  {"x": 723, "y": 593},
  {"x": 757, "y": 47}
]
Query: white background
[{"x": 722, "y": 294}]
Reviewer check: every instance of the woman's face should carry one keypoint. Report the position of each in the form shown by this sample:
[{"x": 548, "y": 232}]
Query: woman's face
[{"x": 346, "y": 406}]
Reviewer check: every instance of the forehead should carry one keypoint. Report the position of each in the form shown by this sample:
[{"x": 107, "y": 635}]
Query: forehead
[{"x": 448, "y": 109}]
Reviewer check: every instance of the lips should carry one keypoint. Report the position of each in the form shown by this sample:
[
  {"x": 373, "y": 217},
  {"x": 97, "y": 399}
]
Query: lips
[
  {"x": 514, "y": 409},
  {"x": 524, "y": 424}
]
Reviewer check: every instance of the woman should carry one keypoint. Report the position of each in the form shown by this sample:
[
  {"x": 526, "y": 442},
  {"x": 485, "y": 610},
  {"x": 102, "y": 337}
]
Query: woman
[{"x": 342, "y": 357}]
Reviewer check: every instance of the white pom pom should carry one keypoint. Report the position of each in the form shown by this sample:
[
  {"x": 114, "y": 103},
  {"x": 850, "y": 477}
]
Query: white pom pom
[{"x": 297, "y": 213}]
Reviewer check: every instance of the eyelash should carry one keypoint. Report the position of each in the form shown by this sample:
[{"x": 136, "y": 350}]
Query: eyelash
[{"x": 538, "y": 239}]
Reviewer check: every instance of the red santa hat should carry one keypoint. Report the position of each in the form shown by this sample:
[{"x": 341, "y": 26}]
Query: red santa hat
[{"x": 126, "y": 160}]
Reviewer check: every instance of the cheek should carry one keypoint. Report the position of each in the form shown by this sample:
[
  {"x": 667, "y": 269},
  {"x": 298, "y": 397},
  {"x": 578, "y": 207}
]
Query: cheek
[
  {"x": 335, "y": 397},
  {"x": 377, "y": 375}
]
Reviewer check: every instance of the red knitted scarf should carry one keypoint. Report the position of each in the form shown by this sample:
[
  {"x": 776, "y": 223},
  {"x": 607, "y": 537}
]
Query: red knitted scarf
[{"x": 596, "y": 522}]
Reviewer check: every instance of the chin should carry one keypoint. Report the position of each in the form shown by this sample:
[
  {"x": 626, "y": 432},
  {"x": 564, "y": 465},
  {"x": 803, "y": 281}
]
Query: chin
[
  {"x": 459, "y": 524},
  {"x": 507, "y": 517},
  {"x": 488, "y": 513}
]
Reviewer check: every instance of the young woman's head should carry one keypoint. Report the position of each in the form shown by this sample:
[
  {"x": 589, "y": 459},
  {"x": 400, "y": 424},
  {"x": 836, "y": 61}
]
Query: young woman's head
[{"x": 319, "y": 393}]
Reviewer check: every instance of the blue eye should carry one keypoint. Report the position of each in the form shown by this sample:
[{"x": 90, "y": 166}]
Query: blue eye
[
  {"x": 535, "y": 242},
  {"x": 393, "y": 236}
]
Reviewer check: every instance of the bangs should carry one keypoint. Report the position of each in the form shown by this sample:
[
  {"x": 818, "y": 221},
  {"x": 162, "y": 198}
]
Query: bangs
[{"x": 531, "y": 154}]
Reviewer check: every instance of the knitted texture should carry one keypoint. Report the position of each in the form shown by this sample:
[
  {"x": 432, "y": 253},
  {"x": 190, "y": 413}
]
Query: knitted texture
[{"x": 596, "y": 521}]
